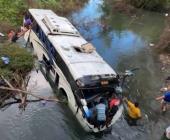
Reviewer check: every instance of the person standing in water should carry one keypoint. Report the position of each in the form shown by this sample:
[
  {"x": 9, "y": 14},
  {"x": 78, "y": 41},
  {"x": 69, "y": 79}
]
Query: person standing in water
[
  {"x": 133, "y": 112},
  {"x": 165, "y": 99}
]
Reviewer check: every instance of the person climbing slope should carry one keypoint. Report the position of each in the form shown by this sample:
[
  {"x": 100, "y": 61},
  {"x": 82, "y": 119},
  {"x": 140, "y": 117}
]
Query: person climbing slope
[{"x": 165, "y": 99}]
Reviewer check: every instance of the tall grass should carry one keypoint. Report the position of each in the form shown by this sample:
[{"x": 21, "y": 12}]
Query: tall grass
[
  {"x": 21, "y": 61},
  {"x": 12, "y": 11}
]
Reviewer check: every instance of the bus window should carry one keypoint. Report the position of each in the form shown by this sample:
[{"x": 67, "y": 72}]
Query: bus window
[
  {"x": 48, "y": 45},
  {"x": 52, "y": 70},
  {"x": 47, "y": 63},
  {"x": 57, "y": 79},
  {"x": 54, "y": 53},
  {"x": 50, "y": 48},
  {"x": 35, "y": 28},
  {"x": 41, "y": 36}
]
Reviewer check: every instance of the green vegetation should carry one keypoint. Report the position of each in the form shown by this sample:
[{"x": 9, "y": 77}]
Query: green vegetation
[
  {"x": 11, "y": 15},
  {"x": 155, "y": 5},
  {"x": 59, "y": 6},
  {"x": 128, "y": 5},
  {"x": 12, "y": 11},
  {"x": 21, "y": 61}
]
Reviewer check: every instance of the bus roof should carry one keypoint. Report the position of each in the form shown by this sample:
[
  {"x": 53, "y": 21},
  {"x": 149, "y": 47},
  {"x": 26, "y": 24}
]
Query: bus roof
[{"x": 70, "y": 45}]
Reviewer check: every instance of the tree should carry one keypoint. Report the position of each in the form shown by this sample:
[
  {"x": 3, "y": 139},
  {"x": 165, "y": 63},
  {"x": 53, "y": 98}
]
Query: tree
[
  {"x": 11, "y": 11},
  {"x": 155, "y": 5}
]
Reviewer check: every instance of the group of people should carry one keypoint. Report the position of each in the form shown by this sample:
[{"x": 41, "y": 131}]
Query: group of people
[
  {"x": 13, "y": 35},
  {"x": 101, "y": 113},
  {"x": 105, "y": 111}
]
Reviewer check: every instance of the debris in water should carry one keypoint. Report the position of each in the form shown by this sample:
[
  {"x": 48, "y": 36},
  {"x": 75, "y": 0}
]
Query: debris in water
[
  {"x": 151, "y": 44},
  {"x": 146, "y": 116},
  {"x": 1, "y": 34},
  {"x": 166, "y": 14},
  {"x": 43, "y": 102}
]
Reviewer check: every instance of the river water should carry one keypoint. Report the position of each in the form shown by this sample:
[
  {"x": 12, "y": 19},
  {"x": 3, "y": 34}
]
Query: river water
[{"x": 123, "y": 41}]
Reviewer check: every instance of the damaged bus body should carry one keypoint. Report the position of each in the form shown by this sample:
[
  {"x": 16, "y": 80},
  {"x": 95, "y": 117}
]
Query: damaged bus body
[{"x": 74, "y": 66}]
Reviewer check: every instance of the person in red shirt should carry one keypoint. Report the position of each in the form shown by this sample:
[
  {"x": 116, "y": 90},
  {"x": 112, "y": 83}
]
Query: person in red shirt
[
  {"x": 11, "y": 34},
  {"x": 113, "y": 107}
]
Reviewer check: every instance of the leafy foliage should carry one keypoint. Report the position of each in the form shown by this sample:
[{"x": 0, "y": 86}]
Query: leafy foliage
[
  {"x": 11, "y": 11},
  {"x": 155, "y": 5},
  {"x": 21, "y": 61}
]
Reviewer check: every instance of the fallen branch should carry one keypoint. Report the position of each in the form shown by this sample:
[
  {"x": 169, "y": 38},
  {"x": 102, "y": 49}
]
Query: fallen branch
[
  {"x": 18, "y": 101},
  {"x": 3, "y": 99},
  {"x": 26, "y": 92},
  {"x": 7, "y": 82}
]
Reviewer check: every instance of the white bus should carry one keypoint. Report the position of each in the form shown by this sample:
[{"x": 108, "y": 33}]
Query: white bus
[{"x": 74, "y": 66}]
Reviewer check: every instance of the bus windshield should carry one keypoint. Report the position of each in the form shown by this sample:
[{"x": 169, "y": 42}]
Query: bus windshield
[
  {"x": 91, "y": 94},
  {"x": 98, "y": 85}
]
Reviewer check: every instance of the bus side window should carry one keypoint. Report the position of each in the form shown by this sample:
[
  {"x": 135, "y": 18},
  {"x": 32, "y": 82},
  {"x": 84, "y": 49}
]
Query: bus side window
[
  {"x": 41, "y": 35},
  {"x": 57, "y": 79},
  {"x": 53, "y": 71},
  {"x": 54, "y": 53},
  {"x": 35, "y": 27},
  {"x": 51, "y": 48},
  {"x": 48, "y": 45},
  {"x": 47, "y": 63}
]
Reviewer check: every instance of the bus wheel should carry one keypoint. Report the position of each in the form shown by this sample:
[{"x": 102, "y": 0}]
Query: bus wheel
[{"x": 62, "y": 95}]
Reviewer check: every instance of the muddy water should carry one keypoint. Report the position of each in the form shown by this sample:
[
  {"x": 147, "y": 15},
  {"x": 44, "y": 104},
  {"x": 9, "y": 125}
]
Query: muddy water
[{"x": 123, "y": 42}]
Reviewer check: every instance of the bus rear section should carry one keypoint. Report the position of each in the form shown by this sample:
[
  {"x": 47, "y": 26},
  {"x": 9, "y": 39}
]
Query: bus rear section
[{"x": 93, "y": 90}]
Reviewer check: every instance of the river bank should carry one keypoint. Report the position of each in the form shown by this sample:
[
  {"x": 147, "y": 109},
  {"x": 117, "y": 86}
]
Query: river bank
[
  {"x": 15, "y": 65},
  {"x": 134, "y": 10}
]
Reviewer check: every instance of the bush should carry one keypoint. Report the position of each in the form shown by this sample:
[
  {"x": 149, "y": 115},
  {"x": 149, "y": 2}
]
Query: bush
[
  {"x": 155, "y": 5},
  {"x": 11, "y": 11},
  {"x": 21, "y": 61}
]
